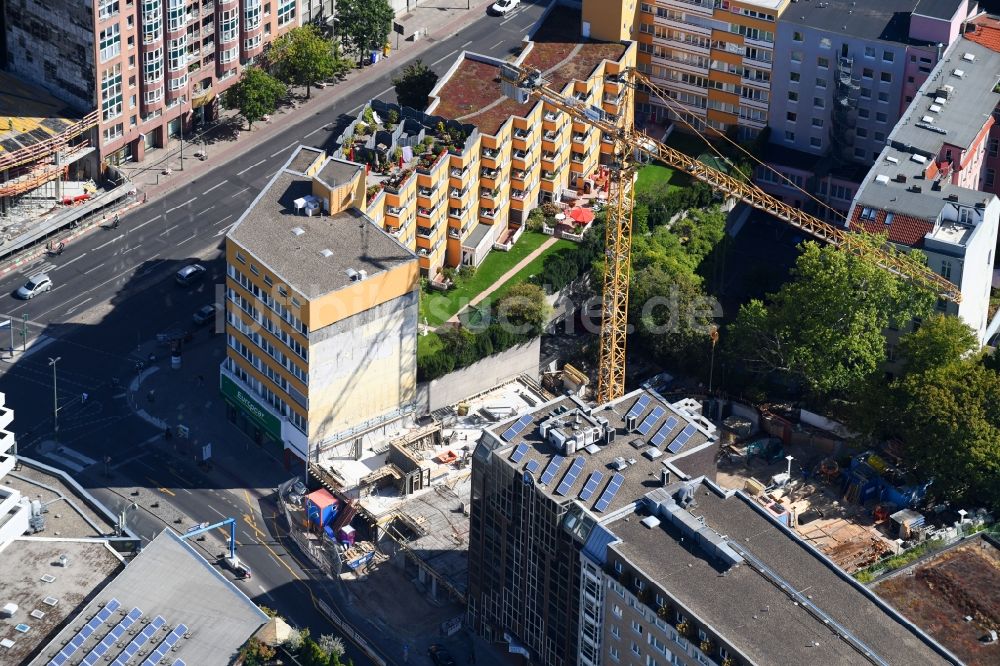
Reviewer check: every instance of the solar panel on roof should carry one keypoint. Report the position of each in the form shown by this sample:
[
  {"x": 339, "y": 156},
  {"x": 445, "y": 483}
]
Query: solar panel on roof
[
  {"x": 571, "y": 476},
  {"x": 650, "y": 421},
  {"x": 532, "y": 466},
  {"x": 165, "y": 646},
  {"x": 179, "y": 662},
  {"x": 661, "y": 434},
  {"x": 639, "y": 407},
  {"x": 682, "y": 438},
  {"x": 592, "y": 483},
  {"x": 81, "y": 636},
  {"x": 519, "y": 453},
  {"x": 515, "y": 429},
  {"x": 551, "y": 469},
  {"x": 139, "y": 641},
  {"x": 609, "y": 493}
]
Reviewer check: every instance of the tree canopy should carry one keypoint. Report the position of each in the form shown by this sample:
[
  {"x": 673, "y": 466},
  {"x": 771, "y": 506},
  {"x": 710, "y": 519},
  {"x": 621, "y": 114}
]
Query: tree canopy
[
  {"x": 364, "y": 24},
  {"x": 940, "y": 340},
  {"x": 302, "y": 57},
  {"x": 255, "y": 95},
  {"x": 414, "y": 85},
  {"x": 523, "y": 308},
  {"x": 824, "y": 330}
]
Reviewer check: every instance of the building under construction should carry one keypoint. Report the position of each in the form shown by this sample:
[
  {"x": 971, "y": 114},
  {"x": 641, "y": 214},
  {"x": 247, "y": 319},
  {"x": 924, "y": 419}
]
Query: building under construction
[{"x": 49, "y": 175}]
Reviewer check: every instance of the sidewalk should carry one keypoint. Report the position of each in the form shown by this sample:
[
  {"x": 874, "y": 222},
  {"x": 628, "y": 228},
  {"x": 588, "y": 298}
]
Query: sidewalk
[{"x": 227, "y": 137}]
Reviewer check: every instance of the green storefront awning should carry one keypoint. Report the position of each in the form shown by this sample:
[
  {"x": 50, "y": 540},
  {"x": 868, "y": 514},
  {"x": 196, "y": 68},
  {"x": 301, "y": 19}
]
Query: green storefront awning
[{"x": 249, "y": 405}]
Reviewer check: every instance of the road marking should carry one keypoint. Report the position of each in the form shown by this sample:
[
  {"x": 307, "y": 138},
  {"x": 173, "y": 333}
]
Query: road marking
[
  {"x": 153, "y": 219},
  {"x": 318, "y": 129},
  {"x": 214, "y": 187},
  {"x": 206, "y": 210},
  {"x": 389, "y": 89},
  {"x": 185, "y": 240},
  {"x": 162, "y": 490},
  {"x": 466, "y": 44},
  {"x": 170, "y": 210},
  {"x": 187, "y": 491},
  {"x": 236, "y": 194},
  {"x": 116, "y": 238},
  {"x": 73, "y": 309},
  {"x": 240, "y": 173},
  {"x": 497, "y": 44},
  {"x": 68, "y": 262},
  {"x": 224, "y": 219},
  {"x": 275, "y": 154},
  {"x": 217, "y": 511},
  {"x": 168, "y": 230},
  {"x": 91, "y": 270},
  {"x": 224, "y": 230},
  {"x": 444, "y": 57},
  {"x": 134, "y": 247}
]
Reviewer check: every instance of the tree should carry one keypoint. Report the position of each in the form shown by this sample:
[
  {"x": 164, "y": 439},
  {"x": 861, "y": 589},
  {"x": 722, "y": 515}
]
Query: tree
[
  {"x": 524, "y": 309},
  {"x": 825, "y": 329},
  {"x": 414, "y": 85},
  {"x": 257, "y": 653},
  {"x": 365, "y": 24},
  {"x": 332, "y": 646},
  {"x": 950, "y": 421},
  {"x": 940, "y": 340},
  {"x": 302, "y": 56},
  {"x": 255, "y": 95}
]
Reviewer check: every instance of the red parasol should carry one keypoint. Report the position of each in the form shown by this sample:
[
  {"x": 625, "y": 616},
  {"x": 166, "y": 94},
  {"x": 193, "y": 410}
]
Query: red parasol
[{"x": 581, "y": 215}]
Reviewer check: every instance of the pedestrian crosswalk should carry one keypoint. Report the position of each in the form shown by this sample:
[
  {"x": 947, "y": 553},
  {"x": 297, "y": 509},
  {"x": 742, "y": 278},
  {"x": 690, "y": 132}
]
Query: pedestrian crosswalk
[{"x": 42, "y": 267}]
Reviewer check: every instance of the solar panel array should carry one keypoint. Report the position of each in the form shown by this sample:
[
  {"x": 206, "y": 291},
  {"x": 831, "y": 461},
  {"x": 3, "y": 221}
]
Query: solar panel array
[
  {"x": 651, "y": 420},
  {"x": 571, "y": 476},
  {"x": 551, "y": 469},
  {"x": 664, "y": 431},
  {"x": 102, "y": 648},
  {"x": 682, "y": 438},
  {"x": 519, "y": 453},
  {"x": 179, "y": 662},
  {"x": 515, "y": 430},
  {"x": 166, "y": 645},
  {"x": 81, "y": 636},
  {"x": 591, "y": 487},
  {"x": 532, "y": 466},
  {"x": 139, "y": 641},
  {"x": 639, "y": 407},
  {"x": 609, "y": 493}
]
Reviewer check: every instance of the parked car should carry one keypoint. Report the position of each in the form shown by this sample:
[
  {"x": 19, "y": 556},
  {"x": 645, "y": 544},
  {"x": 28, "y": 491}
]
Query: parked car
[
  {"x": 205, "y": 314},
  {"x": 190, "y": 274},
  {"x": 502, "y": 7},
  {"x": 35, "y": 285},
  {"x": 440, "y": 656}
]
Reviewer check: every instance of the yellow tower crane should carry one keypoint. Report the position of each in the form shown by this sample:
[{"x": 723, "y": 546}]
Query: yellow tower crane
[{"x": 523, "y": 85}]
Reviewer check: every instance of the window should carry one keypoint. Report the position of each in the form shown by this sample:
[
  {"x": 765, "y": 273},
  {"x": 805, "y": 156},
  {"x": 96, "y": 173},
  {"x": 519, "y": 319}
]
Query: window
[
  {"x": 178, "y": 83},
  {"x": 240, "y": 258},
  {"x": 888, "y": 56},
  {"x": 252, "y": 15},
  {"x": 635, "y": 647},
  {"x": 881, "y": 117},
  {"x": 268, "y": 281},
  {"x": 869, "y": 51},
  {"x": 867, "y": 73},
  {"x": 286, "y": 12},
  {"x": 880, "y": 136},
  {"x": 111, "y": 42},
  {"x": 789, "y": 136},
  {"x": 228, "y": 55},
  {"x": 615, "y": 631},
  {"x": 636, "y": 627},
  {"x": 989, "y": 178},
  {"x": 175, "y": 15},
  {"x": 152, "y": 21},
  {"x": 113, "y": 132},
  {"x": 793, "y": 96},
  {"x": 796, "y": 56},
  {"x": 229, "y": 25},
  {"x": 821, "y": 83},
  {"x": 883, "y": 97},
  {"x": 111, "y": 93},
  {"x": 638, "y": 583},
  {"x": 994, "y": 147},
  {"x": 794, "y": 77},
  {"x": 152, "y": 65},
  {"x": 946, "y": 269},
  {"x": 910, "y": 79},
  {"x": 864, "y": 113},
  {"x": 862, "y": 132},
  {"x": 815, "y": 142},
  {"x": 825, "y": 43},
  {"x": 941, "y": 305},
  {"x": 796, "y": 36},
  {"x": 866, "y": 93},
  {"x": 254, "y": 270},
  {"x": 823, "y": 62},
  {"x": 791, "y": 116},
  {"x": 177, "y": 53},
  {"x": 252, "y": 42},
  {"x": 613, "y": 652},
  {"x": 819, "y": 102},
  {"x": 107, "y": 8},
  {"x": 859, "y": 152},
  {"x": 618, "y": 567},
  {"x": 885, "y": 77},
  {"x": 817, "y": 122},
  {"x": 153, "y": 96}
]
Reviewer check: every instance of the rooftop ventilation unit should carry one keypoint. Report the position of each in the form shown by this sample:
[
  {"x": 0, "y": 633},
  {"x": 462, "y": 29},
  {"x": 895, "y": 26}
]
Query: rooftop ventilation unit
[
  {"x": 650, "y": 521},
  {"x": 919, "y": 159},
  {"x": 882, "y": 178},
  {"x": 297, "y": 231},
  {"x": 935, "y": 108},
  {"x": 326, "y": 253},
  {"x": 958, "y": 72},
  {"x": 940, "y": 101},
  {"x": 968, "y": 57},
  {"x": 927, "y": 119},
  {"x": 891, "y": 159}
]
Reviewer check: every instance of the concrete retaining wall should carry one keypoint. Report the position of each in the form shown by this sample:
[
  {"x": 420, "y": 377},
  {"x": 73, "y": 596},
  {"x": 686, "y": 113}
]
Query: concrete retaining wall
[{"x": 480, "y": 376}]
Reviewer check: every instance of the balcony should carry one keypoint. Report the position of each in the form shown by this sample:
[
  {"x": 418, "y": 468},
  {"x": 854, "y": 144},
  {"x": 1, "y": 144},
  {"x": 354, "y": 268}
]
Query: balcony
[
  {"x": 207, "y": 8},
  {"x": 518, "y": 194},
  {"x": 550, "y": 116},
  {"x": 580, "y": 137},
  {"x": 550, "y": 156},
  {"x": 490, "y": 173},
  {"x": 454, "y": 233},
  {"x": 581, "y": 95},
  {"x": 522, "y": 133},
  {"x": 458, "y": 212},
  {"x": 549, "y": 175},
  {"x": 486, "y": 193},
  {"x": 459, "y": 173},
  {"x": 488, "y": 213},
  {"x": 425, "y": 212},
  {"x": 519, "y": 174},
  {"x": 491, "y": 153},
  {"x": 425, "y": 191},
  {"x": 551, "y": 135},
  {"x": 393, "y": 210},
  {"x": 614, "y": 99},
  {"x": 425, "y": 232},
  {"x": 580, "y": 158}
]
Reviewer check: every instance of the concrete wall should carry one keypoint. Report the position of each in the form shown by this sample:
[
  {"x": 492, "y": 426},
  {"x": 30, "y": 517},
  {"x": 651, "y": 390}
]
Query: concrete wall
[{"x": 479, "y": 377}]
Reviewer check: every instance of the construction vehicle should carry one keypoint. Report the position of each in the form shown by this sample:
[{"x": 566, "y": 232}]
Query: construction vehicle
[
  {"x": 524, "y": 85},
  {"x": 230, "y": 561}
]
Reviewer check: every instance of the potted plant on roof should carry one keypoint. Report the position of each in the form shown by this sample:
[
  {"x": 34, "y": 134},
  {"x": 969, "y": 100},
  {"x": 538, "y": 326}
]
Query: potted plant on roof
[{"x": 683, "y": 628}]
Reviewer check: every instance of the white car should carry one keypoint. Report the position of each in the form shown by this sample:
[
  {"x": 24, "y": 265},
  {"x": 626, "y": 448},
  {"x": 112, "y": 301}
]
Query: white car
[
  {"x": 35, "y": 285},
  {"x": 502, "y": 7}
]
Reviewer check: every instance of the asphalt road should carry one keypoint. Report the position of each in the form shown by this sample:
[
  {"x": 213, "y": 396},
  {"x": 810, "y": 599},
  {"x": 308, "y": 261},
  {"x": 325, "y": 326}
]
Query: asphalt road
[{"x": 114, "y": 291}]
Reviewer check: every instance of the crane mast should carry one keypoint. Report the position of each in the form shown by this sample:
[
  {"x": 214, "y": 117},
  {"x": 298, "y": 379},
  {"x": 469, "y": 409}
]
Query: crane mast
[{"x": 524, "y": 85}]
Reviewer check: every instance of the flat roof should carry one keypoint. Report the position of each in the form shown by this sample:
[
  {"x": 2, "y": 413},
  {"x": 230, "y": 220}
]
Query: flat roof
[
  {"x": 270, "y": 228},
  {"x": 471, "y": 94},
  {"x": 91, "y": 564},
  {"x": 884, "y": 20},
  {"x": 76, "y": 520},
  {"x": 939, "y": 592},
  {"x": 744, "y": 606},
  {"x": 169, "y": 583},
  {"x": 939, "y": 9},
  {"x": 642, "y": 472},
  {"x": 29, "y": 114}
]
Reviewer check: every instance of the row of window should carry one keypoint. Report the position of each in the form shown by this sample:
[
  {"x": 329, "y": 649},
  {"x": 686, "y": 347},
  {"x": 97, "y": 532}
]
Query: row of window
[
  {"x": 271, "y": 327},
  {"x": 262, "y": 390},
  {"x": 111, "y": 93},
  {"x": 276, "y": 306}
]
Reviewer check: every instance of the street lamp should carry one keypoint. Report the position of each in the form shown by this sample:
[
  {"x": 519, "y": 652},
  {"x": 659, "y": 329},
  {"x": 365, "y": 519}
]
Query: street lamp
[{"x": 55, "y": 399}]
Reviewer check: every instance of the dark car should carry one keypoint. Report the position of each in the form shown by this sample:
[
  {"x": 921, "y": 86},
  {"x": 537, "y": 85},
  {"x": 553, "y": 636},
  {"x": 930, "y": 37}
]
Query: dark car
[
  {"x": 440, "y": 656},
  {"x": 205, "y": 314},
  {"x": 189, "y": 275}
]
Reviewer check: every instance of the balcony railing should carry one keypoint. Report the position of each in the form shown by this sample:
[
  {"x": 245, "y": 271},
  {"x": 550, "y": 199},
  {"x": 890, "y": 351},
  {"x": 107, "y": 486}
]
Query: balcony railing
[
  {"x": 550, "y": 115},
  {"x": 426, "y": 191},
  {"x": 490, "y": 173},
  {"x": 518, "y": 194},
  {"x": 488, "y": 213},
  {"x": 459, "y": 173},
  {"x": 489, "y": 194},
  {"x": 490, "y": 153},
  {"x": 522, "y": 133}
]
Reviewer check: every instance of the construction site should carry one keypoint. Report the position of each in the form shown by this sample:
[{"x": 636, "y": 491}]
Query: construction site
[
  {"x": 50, "y": 177},
  {"x": 393, "y": 512}
]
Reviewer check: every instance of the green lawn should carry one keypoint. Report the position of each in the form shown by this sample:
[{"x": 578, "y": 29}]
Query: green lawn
[
  {"x": 534, "y": 267},
  {"x": 427, "y": 344},
  {"x": 436, "y": 307},
  {"x": 656, "y": 176}
]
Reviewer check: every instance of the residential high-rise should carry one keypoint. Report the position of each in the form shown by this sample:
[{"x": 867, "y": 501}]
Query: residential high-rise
[
  {"x": 148, "y": 66},
  {"x": 321, "y": 312},
  {"x": 530, "y": 474}
]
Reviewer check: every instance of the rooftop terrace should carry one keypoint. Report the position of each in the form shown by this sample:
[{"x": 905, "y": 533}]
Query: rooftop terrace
[
  {"x": 471, "y": 94},
  {"x": 885, "y": 20},
  {"x": 743, "y": 605}
]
